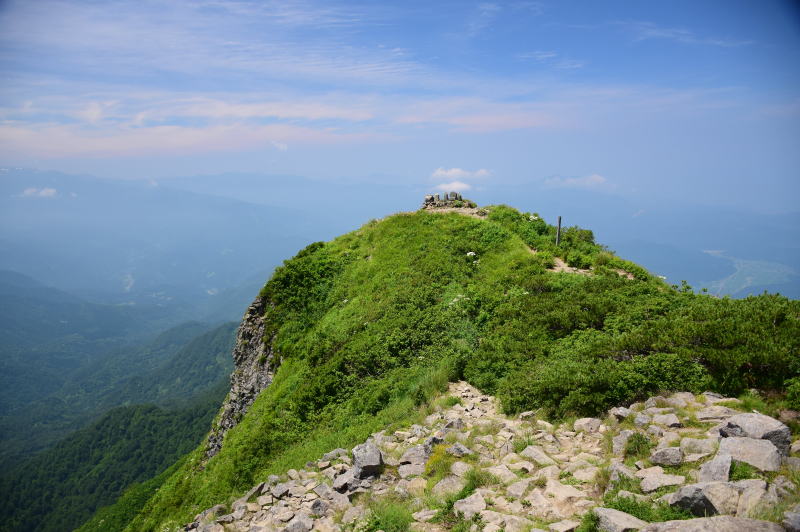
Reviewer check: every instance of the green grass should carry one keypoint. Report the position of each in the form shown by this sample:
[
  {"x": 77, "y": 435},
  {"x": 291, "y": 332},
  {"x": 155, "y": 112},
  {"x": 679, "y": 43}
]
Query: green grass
[
  {"x": 650, "y": 512},
  {"x": 451, "y": 401},
  {"x": 638, "y": 447},
  {"x": 389, "y": 515},
  {"x": 522, "y": 441},
  {"x": 742, "y": 471}
]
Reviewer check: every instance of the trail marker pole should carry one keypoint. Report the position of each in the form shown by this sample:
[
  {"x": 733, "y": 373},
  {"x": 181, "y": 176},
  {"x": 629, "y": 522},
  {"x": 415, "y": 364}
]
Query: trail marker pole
[{"x": 558, "y": 232}]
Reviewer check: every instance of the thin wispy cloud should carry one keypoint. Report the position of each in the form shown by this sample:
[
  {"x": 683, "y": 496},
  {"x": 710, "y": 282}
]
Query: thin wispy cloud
[
  {"x": 551, "y": 58},
  {"x": 45, "y": 192},
  {"x": 647, "y": 30},
  {"x": 590, "y": 182}
]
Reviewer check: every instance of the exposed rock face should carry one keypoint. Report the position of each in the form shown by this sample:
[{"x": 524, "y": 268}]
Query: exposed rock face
[{"x": 254, "y": 369}]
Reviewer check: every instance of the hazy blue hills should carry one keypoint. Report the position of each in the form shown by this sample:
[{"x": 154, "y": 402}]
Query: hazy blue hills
[
  {"x": 135, "y": 242},
  {"x": 64, "y": 361}
]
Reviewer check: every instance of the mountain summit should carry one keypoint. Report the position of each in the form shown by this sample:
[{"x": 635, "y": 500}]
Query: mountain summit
[{"x": 354, "y": 335}]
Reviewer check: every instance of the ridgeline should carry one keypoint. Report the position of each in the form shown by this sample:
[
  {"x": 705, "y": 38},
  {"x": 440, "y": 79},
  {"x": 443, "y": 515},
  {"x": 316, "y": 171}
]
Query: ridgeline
[{"x": 358, "y": 334}]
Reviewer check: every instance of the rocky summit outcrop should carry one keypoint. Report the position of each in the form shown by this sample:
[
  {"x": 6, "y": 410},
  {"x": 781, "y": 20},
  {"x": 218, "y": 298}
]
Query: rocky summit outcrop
[
  {"x": 254, "y": 369},
  {"x": 466, "y": 462}
]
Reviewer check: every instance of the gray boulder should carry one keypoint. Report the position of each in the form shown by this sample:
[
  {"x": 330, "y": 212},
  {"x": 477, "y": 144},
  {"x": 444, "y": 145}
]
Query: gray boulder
[
  {"x": 791, "y": 519},
  {"x": 536, "y": 454},
  {"x": 620, "y": 412},
  {"x": 716, "y": 469},
  {"x": 668, "y": 420},
  {"x": 300, "y": 523},
  {"x": 367, "y": 460},
  {"x": 619, "y": 471},
  {"x": 641, "y": 420},
  {"x": 414, "y": 455},
  {"x": 669, "y": 456},
  {"x": 761, "y": 454},
  {"x": 698, "y": 446},
  {"x": 470, "y": 506},
  {"x": 410, "y": 470},
  {"x": 280, "y": 490},
  {"x": 458, "y": 450},
  {"x": 660, "y": 480},
  {"x": 346, "y": 481},
  {"x": 721, "y": 523},
  {"x": 760, "y": 427},
  {"x": 334, "y": 454},
  {"x": 587, "y": 424},
  {"x": 319, "y": 507},
  {"x": 707, "y": 498},
  {"x": 610, "y": 520}
]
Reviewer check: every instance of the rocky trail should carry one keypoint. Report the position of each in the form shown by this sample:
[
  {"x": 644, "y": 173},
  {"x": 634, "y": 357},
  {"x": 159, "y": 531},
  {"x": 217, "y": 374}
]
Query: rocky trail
[{"x": 468, "y": 467}]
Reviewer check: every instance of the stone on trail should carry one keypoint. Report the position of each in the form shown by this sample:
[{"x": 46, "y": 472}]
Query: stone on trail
[
  {"x": 707, "y": 498},
  {"x": 503, "y": 473},
  {"x": 536, "y": 454},
  {"x": 587, "y": 424},
  {"x": 414, "y": 455},
  {"x": 653, "y": 482},
  {"x": 760, "y": 427},
  {"x": 449, "y": 484},
  {"x": 367, "y": 460},
  {"x": 470, "y": 506},
  {"x": 761, "y": 454},
  {"x": 409, "y": 470},
  {"x": 424, "y": 515},
  {"x": 567, "y": 525},
  {"x": 518, "y": 489},
  {"x": 668, "y": 456},
  {"x": 716, "y": 469},
  {"x": 668, "y": 420},
  {"x": 610, "y": 520},
  {"x": 458, "y": 450},
  {"x": 791, "y": 519},
  {"x": 698, "y": 446},
  {"x": 720, "y": 523}
]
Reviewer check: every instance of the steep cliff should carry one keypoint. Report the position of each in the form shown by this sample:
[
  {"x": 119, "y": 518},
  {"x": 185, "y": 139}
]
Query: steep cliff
[{"x": 254, "y": 370}]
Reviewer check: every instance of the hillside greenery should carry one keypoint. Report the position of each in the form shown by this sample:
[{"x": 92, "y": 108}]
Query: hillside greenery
[
  {"x": 183, "y": 371},
  {"x": 376, "y": 321},
  {"x": 103, "y": 373},
  {"x": 62, "y": 487}
]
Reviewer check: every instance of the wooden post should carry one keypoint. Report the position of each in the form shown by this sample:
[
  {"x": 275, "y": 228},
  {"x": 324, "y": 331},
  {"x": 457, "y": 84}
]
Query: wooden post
[{"x": 558, "y": 232}]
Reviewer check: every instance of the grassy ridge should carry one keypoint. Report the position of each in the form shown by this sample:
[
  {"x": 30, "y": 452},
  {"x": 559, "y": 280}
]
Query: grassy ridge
[{"x": 370, "y": 325}]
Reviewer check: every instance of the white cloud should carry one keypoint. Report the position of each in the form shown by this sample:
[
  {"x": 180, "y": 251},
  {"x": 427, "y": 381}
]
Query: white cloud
[
  {"x": 594, "y": 181},
  {"x": 458, "y": 173},
  {"x": 39, "y": 192},
  {"x": 280, "y": 146},
  {"x": 454, "y": 186}
]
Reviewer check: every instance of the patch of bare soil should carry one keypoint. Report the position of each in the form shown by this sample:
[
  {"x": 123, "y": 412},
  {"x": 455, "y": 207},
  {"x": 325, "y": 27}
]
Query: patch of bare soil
[{"x": 560, "y": 266}]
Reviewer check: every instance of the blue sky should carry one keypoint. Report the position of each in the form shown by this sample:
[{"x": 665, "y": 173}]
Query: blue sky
[{"x": 693, "y": 101}]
